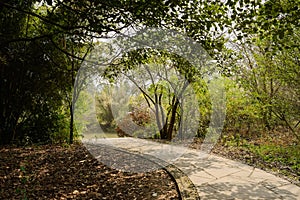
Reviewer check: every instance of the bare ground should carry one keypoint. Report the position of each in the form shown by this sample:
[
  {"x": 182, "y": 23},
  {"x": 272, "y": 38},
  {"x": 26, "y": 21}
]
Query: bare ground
[{"x": 55, "y": 172}]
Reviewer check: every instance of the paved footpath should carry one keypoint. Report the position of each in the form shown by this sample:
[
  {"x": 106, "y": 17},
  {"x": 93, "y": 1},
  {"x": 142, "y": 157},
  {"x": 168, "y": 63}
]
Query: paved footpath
[{"x": 213, "y": 177}]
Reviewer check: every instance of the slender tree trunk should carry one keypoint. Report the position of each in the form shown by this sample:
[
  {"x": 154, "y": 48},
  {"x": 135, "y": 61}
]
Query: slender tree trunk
[
  {"x": 71, "y": 123},
  {"x": 71, "y": 103},
  {"x": 157, "y": 117},
  {"x": 172, "y": 120}
]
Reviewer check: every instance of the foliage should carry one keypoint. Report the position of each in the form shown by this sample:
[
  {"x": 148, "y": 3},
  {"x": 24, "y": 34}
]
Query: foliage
[
  {"x": 44, "y": 42},
  {"x": 265, "y": 39},
  {"x": 103, "y": 110},
  {"x": 271, "y": 83},
  {"x": 31, "y": 84},
  {"x": 163, "y": 80},
  {"x": 243, "y": 113},
  {"x": 47, "y": 43},
  {"x": 84, "y": 117}
]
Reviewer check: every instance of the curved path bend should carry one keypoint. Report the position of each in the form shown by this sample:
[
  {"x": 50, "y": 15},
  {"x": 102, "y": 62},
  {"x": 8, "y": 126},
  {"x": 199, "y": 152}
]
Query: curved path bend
[{"x": 212, "y": 177}]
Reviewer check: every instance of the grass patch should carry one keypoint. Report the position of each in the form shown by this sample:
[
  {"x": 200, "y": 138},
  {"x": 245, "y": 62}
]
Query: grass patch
[
  {"x": 286, "y": 157},
  {"x": 277, "y": 154}
]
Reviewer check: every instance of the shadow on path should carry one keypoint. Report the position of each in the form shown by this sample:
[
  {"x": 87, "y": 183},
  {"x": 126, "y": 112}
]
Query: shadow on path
[
  {"x": 123, "y": 160},
  {"x": 196, "y": 173}
]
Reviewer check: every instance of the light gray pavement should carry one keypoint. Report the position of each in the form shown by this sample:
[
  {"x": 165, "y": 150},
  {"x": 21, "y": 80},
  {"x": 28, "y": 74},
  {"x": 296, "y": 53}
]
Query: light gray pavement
[{"x": 214, "y": 177}]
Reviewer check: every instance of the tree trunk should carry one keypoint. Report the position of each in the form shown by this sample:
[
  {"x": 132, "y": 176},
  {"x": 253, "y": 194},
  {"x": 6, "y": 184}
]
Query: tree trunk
[
  {"x": 71, "y": 124},
  {"x": 71, "y": 102},
  {"x": 172, "y": 121}
]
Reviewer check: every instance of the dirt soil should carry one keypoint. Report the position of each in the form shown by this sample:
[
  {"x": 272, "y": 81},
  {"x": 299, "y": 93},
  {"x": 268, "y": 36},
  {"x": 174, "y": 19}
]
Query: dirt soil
[{"x": 55, "y": 172}]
